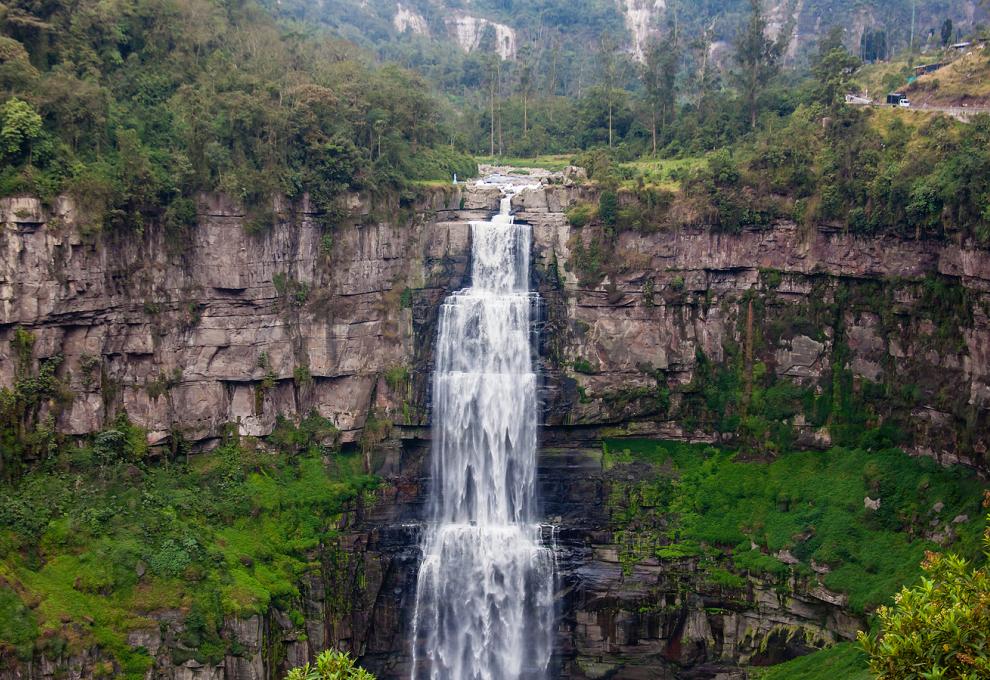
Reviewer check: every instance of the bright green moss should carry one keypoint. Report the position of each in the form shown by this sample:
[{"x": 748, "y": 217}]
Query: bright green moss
[
  {"x": 229, "y": 533},
  {"x": 699, "y": 499},
  {"x": 844, "y": 661}
]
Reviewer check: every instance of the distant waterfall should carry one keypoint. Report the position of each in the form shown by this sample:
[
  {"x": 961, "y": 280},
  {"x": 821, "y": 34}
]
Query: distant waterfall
[{"x": 484, "y": 599}]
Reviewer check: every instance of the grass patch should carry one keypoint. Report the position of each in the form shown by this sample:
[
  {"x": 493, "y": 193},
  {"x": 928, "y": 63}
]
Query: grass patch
[
  {"x": 844, "y": 661},
  {"x": 89, "y": 553},
  {"x": 808, "y": 503},
  {"x": 664, "y": 173}
]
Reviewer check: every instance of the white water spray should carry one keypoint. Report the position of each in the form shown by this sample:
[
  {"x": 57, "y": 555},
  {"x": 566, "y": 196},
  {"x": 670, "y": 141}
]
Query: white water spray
[{"x": 484, "y": 598}]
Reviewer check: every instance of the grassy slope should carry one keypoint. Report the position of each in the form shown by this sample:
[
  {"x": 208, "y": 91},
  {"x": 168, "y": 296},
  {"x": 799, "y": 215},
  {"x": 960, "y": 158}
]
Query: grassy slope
[
  {"x": 842, "y": 662},
  {"x": 810, "y": 503},
  {"x": 965, "y": 81},
  {"x": 88, "y": 552}
]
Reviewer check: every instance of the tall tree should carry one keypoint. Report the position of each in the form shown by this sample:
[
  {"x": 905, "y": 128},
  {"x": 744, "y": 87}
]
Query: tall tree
[
  {"x": 493, "y": 67},
  {"x": 608, "y": 53},
  {"x": 946, "y": 32},
  {"x": 659, "y": 74},
  {"x": 758, "y": 58},
  {"x": 833, "y": 66},
  {"x": 525, "y": 83}
]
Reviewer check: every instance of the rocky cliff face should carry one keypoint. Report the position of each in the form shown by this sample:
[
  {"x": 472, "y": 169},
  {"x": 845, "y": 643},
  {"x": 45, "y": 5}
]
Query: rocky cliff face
[
  {"x": 227, "y": 327},
  {"x": 899, "y": 329},
  {"x": 189, "y": 333}
]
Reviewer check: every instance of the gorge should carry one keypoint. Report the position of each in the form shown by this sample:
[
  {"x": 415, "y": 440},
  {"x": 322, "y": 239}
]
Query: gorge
[{"x": 186, "y": 342}]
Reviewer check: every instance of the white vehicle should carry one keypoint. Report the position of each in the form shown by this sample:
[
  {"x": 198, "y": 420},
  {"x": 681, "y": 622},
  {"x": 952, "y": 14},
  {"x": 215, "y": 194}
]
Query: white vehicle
[{"x": 904, "y": 103}]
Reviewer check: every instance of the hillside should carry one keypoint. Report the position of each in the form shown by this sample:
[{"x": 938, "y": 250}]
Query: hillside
[
  {"x": 963, "y": 82},
  {"x": 410, "y": 30},
  {"x": 134, "y": 109}
]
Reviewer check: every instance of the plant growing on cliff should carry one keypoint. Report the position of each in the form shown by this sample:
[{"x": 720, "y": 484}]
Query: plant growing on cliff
[
  {"x": 582, "y": 365},
  {"x": 330, "y": 665},
  {"x": 938, "y": 629},
  {"x": 29, "y": 407},
  {"x": 581, "y": 214},
  {"x": 608, "y": 210},
  {"x": 20, "y": 127}
]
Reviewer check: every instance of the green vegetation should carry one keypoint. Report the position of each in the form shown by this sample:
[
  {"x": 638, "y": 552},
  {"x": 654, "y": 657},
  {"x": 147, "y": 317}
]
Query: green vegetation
[
  {"x": 26, "y": 431},
  {"x": 134, "y": 108},
  {"x": 552, "y": 162},
  {"x": 703, "y": 501},
  {"x": 99, "y": 538},
  {"x": 939, "y": 628},
  {"x": 843, "y": 661},
  {"x": 330, "y": 665}
]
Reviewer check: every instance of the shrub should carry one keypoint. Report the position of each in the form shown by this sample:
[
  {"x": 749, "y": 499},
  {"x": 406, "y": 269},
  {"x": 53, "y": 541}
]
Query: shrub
[
  {"x": 330, "y": 665},
  {"x": 581, "y": 214},
  {"x": 938, "y": 629},
  {"x": 608, "y": 209},
  {"x": 584, "y": 366}
]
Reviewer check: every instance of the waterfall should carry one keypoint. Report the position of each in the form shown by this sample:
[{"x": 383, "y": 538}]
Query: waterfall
[{"x": 484, "y": 596}]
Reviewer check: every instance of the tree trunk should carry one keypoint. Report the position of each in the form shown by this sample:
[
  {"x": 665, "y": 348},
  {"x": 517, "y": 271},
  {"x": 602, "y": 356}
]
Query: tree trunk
[
  {"x": 654, "y": 121},
  {"x": 610, "y": 121}
]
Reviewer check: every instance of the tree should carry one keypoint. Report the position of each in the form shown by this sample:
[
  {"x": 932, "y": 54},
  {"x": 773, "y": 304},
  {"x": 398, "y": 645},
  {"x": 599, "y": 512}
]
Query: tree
[
  {"x": 330, "y": 665},
  {"x": 494, "y": 72},
  {"x": 939, "y": 629},
  {"x": 833, "y": 67},
  {"x": 525, "y": 83},
  {"x": 946, "y": 32},
  {"x": 659, "y": 73},
  {"x": 20, "y": 126},
  {"x": 608, "y": 53},
  {"x": 758, "y": 58},
  {"x": 873, "y": 45}
]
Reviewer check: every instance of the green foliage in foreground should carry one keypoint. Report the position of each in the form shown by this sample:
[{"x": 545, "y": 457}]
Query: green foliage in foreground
[
  {"x": 844, "y": 661},
  {"x": 938, "y": 629},
  {"x": 702, "y": 501},
  {"x": 90, "y": 546},
  {"x": 330, "y": 665}
]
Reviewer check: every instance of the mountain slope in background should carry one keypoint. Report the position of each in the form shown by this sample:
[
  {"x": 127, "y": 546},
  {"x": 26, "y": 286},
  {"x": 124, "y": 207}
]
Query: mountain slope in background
[{"x": 397, "y": 29}]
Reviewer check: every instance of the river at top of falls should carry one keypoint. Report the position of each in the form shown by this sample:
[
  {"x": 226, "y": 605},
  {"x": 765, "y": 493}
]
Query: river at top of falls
[{"x": 484, "y": 596}]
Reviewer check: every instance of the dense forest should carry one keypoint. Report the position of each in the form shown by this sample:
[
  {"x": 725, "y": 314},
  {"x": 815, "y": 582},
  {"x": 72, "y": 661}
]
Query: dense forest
[
  {"x": 134, "y": 106},
  {"x": 746, "y": 97}
]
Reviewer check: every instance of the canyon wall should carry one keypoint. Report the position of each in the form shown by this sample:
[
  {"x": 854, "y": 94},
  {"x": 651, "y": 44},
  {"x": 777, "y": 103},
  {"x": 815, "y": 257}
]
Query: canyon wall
[
  {"x": 188, "y": 335},
  {"x": 897, "y": 330}
]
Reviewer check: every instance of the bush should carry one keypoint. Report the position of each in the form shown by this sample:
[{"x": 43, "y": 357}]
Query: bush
[
  {"x": 939, "y": 629},
  {"x": 330, "y": 665},
  {"x": 440, "y": 163},
  {"x": 581, "y": 214},
  {"x": 608, "y": 209}
]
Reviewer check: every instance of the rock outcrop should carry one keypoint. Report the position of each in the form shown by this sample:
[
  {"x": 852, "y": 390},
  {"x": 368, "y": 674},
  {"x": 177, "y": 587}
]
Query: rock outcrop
[
  {"x": 901, "y": 327},
  {"x": 188, "y": 332}
]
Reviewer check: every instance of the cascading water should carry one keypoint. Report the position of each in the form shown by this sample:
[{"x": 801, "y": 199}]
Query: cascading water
[{"x": 484, "y": 599}]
